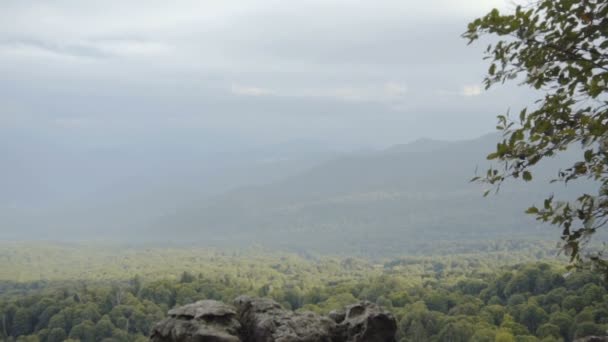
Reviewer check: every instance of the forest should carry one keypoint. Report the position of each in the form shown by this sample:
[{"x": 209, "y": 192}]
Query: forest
[
  {"x": 153, "y": 154},
  {"x": 516, "y": 291}
]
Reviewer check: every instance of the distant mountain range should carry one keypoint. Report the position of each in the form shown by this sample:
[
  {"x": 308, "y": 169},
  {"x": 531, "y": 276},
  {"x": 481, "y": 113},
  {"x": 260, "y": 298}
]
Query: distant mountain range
[
  {"x": 67, "y": 191},
  {"x": 386, "y": 201},
  {"x": 297, "y": 197}
]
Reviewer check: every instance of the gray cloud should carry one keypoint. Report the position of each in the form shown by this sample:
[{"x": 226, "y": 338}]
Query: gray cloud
[
  {"x": 359, "y": 72},
  {"x": 48, "y": 48}
]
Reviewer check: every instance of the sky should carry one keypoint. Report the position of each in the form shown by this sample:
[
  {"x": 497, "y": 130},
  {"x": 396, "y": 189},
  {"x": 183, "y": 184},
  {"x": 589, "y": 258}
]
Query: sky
[{"x": 241, "y": 73}]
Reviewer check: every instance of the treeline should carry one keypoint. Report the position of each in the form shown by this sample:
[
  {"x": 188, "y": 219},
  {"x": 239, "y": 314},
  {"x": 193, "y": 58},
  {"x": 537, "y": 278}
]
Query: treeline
[
  {"x": 44, "y": 263},
  {"x": 469, "y": 297}
]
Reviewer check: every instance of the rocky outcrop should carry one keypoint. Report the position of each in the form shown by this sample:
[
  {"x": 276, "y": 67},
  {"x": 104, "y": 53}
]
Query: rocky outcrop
[
  {"x": 264, "y": 320},
  {"x": 365, "y": 322},
  {"x": 205, "y": 320}
]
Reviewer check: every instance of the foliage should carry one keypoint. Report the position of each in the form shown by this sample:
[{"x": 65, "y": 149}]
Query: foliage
[
  {"x": 462, "y": 297},
  {"x": 560, "y": 48}
]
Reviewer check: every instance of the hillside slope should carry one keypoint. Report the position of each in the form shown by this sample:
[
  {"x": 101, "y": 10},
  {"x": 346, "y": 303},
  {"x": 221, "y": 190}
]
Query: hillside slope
[{"x": 378, "y": 202}]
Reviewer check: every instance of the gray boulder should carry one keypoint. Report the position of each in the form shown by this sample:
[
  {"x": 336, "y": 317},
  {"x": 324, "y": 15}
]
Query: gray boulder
[
  {"x": 366, "y": 322},
  {"x": 337, "y": 316},
  {"x": 264, "y": 320},
  {"x": 203, "y": 321}
]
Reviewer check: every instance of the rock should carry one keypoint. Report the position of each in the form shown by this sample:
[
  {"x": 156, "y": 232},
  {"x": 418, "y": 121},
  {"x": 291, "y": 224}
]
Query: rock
[
  {"x": 592, "y": 339},
  {"x": 337, "y": 316},
  {"x": 203, "y": 321},
  {"x": 264, "y": 320},
  {"x": 367, "y": 322}
]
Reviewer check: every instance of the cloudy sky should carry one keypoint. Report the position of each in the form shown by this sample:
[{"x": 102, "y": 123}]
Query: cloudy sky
[{"x": 348, "y": 73}]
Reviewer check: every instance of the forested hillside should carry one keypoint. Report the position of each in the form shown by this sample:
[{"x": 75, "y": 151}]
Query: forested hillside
[
  {"x": 518, "y": 292},
  {"x": 52, "y": 186},
  {"x": 381, "y": 202},
  {"x": 365, "y": 203}
]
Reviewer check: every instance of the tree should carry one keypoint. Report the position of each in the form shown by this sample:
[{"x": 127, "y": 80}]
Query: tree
[
  {"x": 58, "y": 321},
  {"x": 560, "y": 48},
  {"x": 548, "y": 329},
  {"x": 85, "y": 332},
  {"x": 532, "y": 316},
  {"x": 187, "y": 277},
  {"x": 509, "y": 324},
  {"x": 103, "y": 328},
  {"x": 592, "y": 294},
  {"x": 573, "y": 302},
  {"x": 458, "y": 331},
  {"x": 483, "y": 334},
  {"x": 588, "y": 329},
  {"x": 56, "y": 335},
  {"x": 22, "y": 322},
  {"x": 504, "y": 335},
  {"x": 563, "y": 321}
]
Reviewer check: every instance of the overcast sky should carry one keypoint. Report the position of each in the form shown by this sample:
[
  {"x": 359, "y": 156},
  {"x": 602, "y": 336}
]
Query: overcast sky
[{"x": 349, "y": 73}]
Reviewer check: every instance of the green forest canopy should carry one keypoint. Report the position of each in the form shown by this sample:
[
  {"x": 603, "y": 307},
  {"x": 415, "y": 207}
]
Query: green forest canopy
[{"x": 516, "y": 293}]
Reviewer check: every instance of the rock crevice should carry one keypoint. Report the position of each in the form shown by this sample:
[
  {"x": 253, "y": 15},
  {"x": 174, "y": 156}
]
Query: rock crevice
[{"x": 253, "y": 319}]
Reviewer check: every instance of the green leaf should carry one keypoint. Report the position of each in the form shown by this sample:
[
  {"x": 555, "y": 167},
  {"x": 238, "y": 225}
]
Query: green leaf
[
  {"x": 492, "y": 70},
  {"x": 547, "y": 203},
  {"x": 588, "y": 156},
  {"x": 532, "y": 210}
]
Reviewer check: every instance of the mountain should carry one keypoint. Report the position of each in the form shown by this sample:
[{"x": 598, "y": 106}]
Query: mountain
[
  {"x": 298, "y": 196},
  {"x": 374, "y": 203},
  {"x": 420, "y": 145},
  {"x": 53, "y": 189}
]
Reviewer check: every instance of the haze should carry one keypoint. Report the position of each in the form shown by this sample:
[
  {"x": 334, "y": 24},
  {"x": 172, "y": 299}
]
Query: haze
[
  {"x": 225, "y": 75},
  {"x": 129, "y": 120},
  {"x": 301, "y": 170}
]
